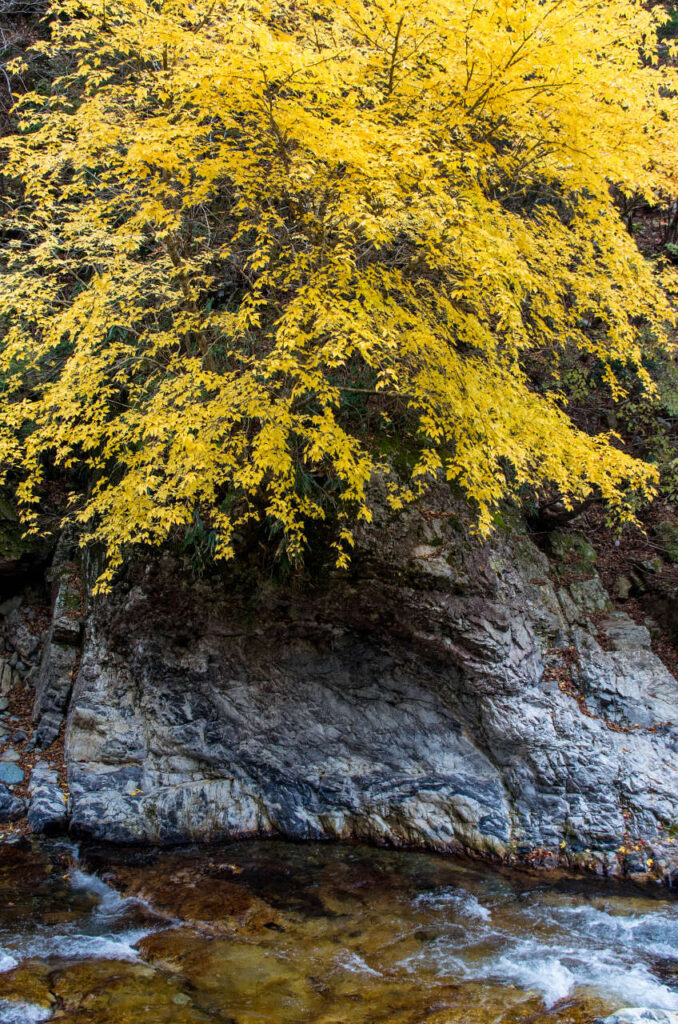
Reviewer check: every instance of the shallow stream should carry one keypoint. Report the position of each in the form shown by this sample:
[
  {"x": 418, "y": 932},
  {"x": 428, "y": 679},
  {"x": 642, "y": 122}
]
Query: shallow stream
[{"x": 258, "y": 932}]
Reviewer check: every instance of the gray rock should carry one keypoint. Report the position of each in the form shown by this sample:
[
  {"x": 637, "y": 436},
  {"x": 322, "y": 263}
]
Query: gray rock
[
  {"x": 10, "y": 773},
  {"x": 67, "y": 619},
  {"x": 48, "y": 808},
  {"x": 11, "y": 604},
  {"x": 6, "y": 679},
  {"x": 9, "y": 755},
  {"x": 19, "y": 736},
  {"x": 4, "y": 703},
  {"x": 451, "y": 697},
  {"x": 11, "y": 807},
  {"x": 650, "y": 566},
  {"x": 623, "y": 681},
  {"x": 23, "y": 640},
  {"x": 640, "y": 1016},
  {"x": 60, "y": 656},
  {"x": 49, "y": 724},
  {"x": 622, "y": 587}
]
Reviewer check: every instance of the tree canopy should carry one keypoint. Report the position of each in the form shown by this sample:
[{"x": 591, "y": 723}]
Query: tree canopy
[{"x": 235, "y": 225}]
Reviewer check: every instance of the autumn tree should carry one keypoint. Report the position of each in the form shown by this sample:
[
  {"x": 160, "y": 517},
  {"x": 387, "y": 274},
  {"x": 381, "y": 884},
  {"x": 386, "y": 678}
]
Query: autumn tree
[{"x": 234, "y": 223}]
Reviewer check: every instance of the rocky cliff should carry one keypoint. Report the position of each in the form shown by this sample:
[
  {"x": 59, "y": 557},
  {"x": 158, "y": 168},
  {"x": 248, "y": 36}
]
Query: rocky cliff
[{"x": 447, "y": 694}]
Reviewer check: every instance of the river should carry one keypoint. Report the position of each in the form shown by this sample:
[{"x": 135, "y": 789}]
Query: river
[{"x": 257, "y": 932}]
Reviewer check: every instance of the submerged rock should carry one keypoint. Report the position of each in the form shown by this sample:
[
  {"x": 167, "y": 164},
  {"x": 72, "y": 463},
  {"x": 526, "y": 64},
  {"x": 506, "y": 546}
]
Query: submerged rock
[
  {"x": 27, "y": 983},
  {"x": 102, "y": 991}
]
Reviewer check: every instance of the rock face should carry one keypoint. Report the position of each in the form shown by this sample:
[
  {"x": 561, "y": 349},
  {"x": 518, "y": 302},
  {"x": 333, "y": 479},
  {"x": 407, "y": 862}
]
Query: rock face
[
  {"x": 61, "y": 649},
  {"x": 448, "y": 695}
]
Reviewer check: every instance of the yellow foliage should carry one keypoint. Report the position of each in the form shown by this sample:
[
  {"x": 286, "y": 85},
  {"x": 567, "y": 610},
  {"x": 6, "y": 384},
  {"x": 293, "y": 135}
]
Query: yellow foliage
[{"x": 235, "y": 216}]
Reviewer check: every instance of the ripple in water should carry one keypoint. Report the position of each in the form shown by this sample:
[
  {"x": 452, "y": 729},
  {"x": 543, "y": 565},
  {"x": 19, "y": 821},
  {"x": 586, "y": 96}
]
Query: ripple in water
[
  {"x": 101, "y": 933},
  {"x": 365, "y": 936}
]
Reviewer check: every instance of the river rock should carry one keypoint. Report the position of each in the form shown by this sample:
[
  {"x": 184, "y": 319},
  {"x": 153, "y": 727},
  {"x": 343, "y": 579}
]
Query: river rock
[
  {"x": 447, "y": 694},
  {"x": 11, "y": 807},
  {"x": 48, "y": 808},
  {"x": 10, "y": 773}
]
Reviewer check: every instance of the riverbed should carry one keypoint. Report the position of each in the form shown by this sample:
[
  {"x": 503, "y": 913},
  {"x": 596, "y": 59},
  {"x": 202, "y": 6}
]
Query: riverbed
[{"x": 257, "y": 932}]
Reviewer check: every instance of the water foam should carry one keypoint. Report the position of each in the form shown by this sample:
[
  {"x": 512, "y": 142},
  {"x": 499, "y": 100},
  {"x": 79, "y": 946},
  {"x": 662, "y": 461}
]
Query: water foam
[
  {"x": 7, "y": 962},
  {"x": 465, "y": 903},
  {"x": 569, "y": 946},
  {"x": 541, "y": 973},
  {"x": 654, "y": 933},
  {"x": 354, "y": 962},
  {"x": 81, "y": 946},
  {"x": 556, "y": 972},
  {"x": 102, "y": 935},
  {"x": 22, "y": 1013}
]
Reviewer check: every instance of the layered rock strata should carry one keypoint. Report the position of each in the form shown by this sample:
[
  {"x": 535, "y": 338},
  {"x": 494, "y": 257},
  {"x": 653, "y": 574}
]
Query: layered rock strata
[{"x": 448, "y": 694}]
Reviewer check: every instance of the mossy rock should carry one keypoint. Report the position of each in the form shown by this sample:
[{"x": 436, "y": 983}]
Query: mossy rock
[
  {"x": 572, "y": 553},
  {"x": 7, "y": 512},
  {"x": 107, "y": 991},
  {"x": 27, "y": 983},
  {"x": 667, "y": 535}
]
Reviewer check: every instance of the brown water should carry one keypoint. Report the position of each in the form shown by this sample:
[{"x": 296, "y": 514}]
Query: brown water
[{"x": 261, "y": 932}]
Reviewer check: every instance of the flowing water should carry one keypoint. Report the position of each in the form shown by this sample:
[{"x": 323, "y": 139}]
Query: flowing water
[{"x": 257, "y": 932}]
